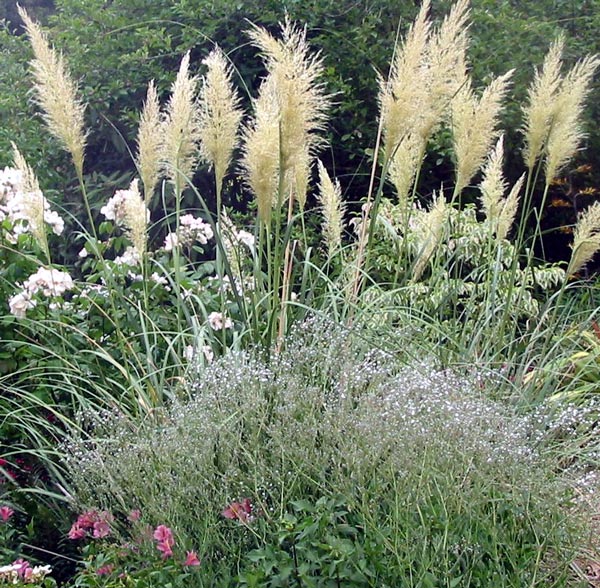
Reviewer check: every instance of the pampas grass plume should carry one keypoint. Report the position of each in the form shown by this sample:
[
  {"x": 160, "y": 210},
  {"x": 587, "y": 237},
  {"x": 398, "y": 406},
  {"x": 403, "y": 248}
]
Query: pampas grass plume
[
  {"x": 586, "y": 239},
  {"x": 474, "y": 122},
  {"x": 432, "y": 227},
  {"x": 566, "y": 132},
  {"x": 330, "y": 198},
  {"x": 539, "y": 112},
  {"x": 33, "y": 199},
  {"x": 260, "y": 160},
  {"x": 403, "y": 96},
  {"x": 302, "y": 102},
  {"x": 56, "y": 93},
  {"x": 509, "y": 209},
  {"x": 220, "y": 115},
  {"x": 180, "y": 153},
  {"x": 150, "y": 142}
]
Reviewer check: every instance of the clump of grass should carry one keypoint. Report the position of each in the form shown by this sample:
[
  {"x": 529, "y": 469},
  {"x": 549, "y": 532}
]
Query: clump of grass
[{"x": 451, "y": 485}]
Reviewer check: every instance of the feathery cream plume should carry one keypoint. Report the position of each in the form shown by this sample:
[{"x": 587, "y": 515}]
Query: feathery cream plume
[
  {"x": 509, "y": 210},
  {"x": 403, "y": 167},
  {"x": 493, "y": 185},
  {"x": 330, "y": 198},
  {"x": 432, "y": 229},
  {"x": 220, "y": 115},
  {"x": 540, "y": 110},
  {"x": 473, "y": 122},
  {"x": 136, "y": 217},
  {"x": 180, "y": 127},
  {"x": 56, "y": 93},
  {"x": 566, "y": 132},
  {"x": 302, "y": 103},
  {"x": 447, "y": 56},
  {"x": 260, "y": 160},
  {"x": 586, "y": 238},
  {"x": 150, "y": 142},
  {"x": 499, "y": 211},
  {"x": 34, "y": 203},
  {"x": 403, "y": 96}
]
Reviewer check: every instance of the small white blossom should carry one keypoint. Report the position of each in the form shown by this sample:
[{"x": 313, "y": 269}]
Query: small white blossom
[
  {"x": 131, "y": 256},
  {"x": 50, "y": 281},
  {"x": 20, "y": 303},
  {"x": 219, "y": 321}
]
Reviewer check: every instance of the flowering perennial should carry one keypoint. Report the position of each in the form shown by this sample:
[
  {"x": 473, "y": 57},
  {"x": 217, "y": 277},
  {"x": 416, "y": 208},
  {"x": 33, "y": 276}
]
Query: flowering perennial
[
  {"x": 92, "y": 522},
  {"x": 191, "y": 230},
  {"x": 22, "y": 571}
]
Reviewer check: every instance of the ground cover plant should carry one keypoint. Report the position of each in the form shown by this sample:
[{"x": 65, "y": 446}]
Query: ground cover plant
[{"x": 278, "y": 400}]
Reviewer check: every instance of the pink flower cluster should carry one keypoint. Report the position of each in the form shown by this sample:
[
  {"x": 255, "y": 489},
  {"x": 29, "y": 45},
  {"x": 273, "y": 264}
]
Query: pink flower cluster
[
  {"x": 92, "y": 522},
  {"x": 6, "y": 513},
  {"x": 165, "y": 542},
  {"x": 240, "y": 511}
]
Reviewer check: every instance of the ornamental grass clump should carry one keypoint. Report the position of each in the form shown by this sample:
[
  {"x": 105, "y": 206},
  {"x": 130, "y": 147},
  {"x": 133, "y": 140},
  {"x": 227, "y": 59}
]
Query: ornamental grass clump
[{"x": 448, "y": 484}]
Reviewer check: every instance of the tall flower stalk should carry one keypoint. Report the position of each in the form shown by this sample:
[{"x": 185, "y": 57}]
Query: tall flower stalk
[
  {"x": 56, "y": 94},
  {"x": 219, "y": 118}
]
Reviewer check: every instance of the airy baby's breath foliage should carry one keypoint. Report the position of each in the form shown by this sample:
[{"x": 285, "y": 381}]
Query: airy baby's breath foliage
[
  {"x": 586, "y": 238},
  {"x": 473, "y": 124},
  {"x": 181, "y": 127},
  {"x": 301, "y": 101},
  {"x": 260, "y": 161},
  {"x": 219, "y": 116},
  {"x": 387, "y": 434},
  {"x": 330, "y": 198},
  {"x": 539, "y": 112},
  {"x": 566, "y": 131},
  {"x": 150, "y": 142},
  {"x": 56, "y": 93}
]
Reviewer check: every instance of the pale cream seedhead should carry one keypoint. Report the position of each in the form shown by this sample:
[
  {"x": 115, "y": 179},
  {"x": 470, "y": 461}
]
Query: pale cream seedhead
[
  {"x": 34, "y": 202},
  {"x": 403, "y": 167},
  {"x": 56, "y": 93},
  {"x": 403, "y": 96},
  {"x": 499, "y": 211},
  {"x": 586, "y": 239},
  {"x": 330, "y": 198},
  {"x": 447, "y": 56},
  {"x": 260, "y": 159},
  {"x": 473, "y": 122},
  {"x": 220, "y": 114},
  {"x": 493, "y": 185},
  {"x": 302, "y": 103},
  {"x": 150, "y": 142},
  {"x": 432, "y": 230},
  {"x": 509, "y": 209},
  {"x": 540, "y": 111},
  {"x": 566, "y": 133},
  {"x": 181, "y": 127},
  {"x": 136, "y": 217}
]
